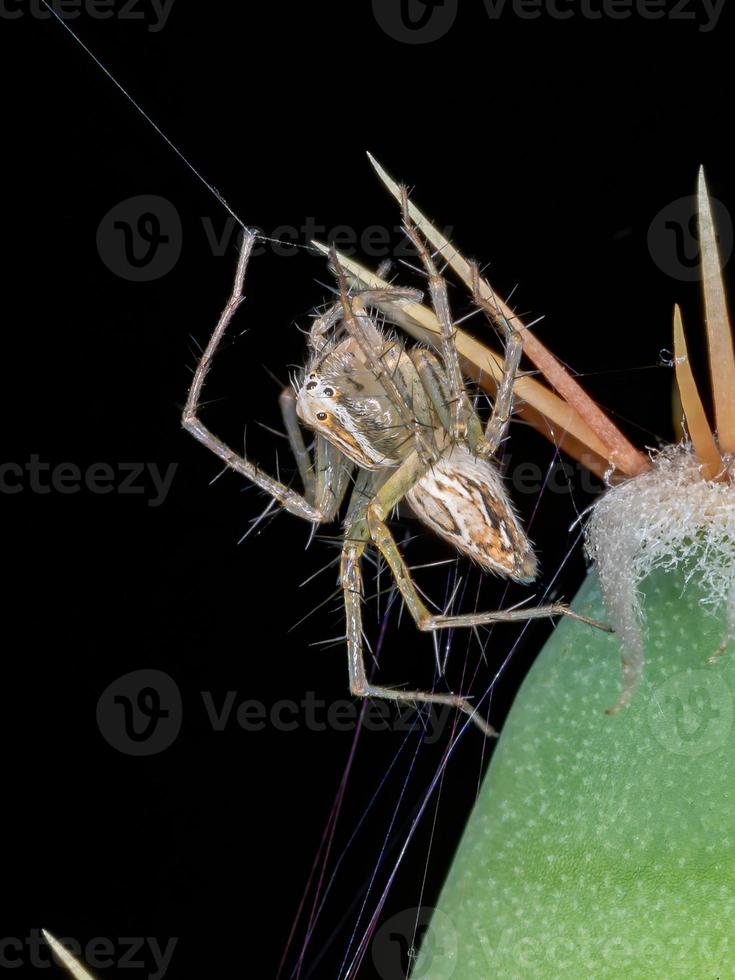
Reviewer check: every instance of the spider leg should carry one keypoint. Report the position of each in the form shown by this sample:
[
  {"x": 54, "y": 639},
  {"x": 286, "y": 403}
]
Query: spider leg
[
  {"x": 360, "y": 326},
  {"x": 322, "y": 326},
  {"x": 389, "y": 494},
  {"x": 356, "y": 539},
  {"x": 287, "y": 402},
  {"x": 434, "y": 384},
  {"x": 440, "y": 301},
  {"x": 322, "y": 497},
  {"x": 503, "y": 408}
]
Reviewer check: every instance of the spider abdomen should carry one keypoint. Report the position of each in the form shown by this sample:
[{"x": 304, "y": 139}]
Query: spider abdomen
[{"x": 463, "y": 500}]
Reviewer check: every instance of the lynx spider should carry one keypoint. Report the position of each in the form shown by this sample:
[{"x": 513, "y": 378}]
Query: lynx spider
[{"x": 398, "y": 423}]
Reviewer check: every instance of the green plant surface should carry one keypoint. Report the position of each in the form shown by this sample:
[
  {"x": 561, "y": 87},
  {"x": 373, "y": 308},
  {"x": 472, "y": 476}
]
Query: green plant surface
[{"x": 603, "y": 846}]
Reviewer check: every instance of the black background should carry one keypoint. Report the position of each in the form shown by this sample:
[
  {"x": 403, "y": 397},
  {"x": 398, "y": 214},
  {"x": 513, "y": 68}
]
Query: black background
[{"x": 549, "y": 147}]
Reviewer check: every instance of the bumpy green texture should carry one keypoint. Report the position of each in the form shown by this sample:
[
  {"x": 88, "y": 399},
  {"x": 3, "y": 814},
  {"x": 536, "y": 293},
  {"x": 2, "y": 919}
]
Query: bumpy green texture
[{"x": 604, "y": 846}]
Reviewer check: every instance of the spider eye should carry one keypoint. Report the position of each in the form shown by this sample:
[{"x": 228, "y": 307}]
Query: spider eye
[
  {"x": 329, "y": 392},
  {"x": 321, "y": 416},
  {"x": 311, "y": 384}
]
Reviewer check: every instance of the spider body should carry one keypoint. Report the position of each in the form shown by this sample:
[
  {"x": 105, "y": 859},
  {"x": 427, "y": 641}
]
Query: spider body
[
  {"x": 461, "y": 497},
  {"x": 399, "y": 424}
]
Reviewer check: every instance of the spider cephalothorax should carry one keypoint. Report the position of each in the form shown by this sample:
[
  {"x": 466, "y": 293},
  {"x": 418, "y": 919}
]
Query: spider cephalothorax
[
  {"x": 402, "y": 418},
  {"x": 341, "y": 398}
]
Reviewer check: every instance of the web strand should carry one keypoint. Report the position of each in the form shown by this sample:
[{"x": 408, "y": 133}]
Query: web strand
[{"x": 169, "y": 142}]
